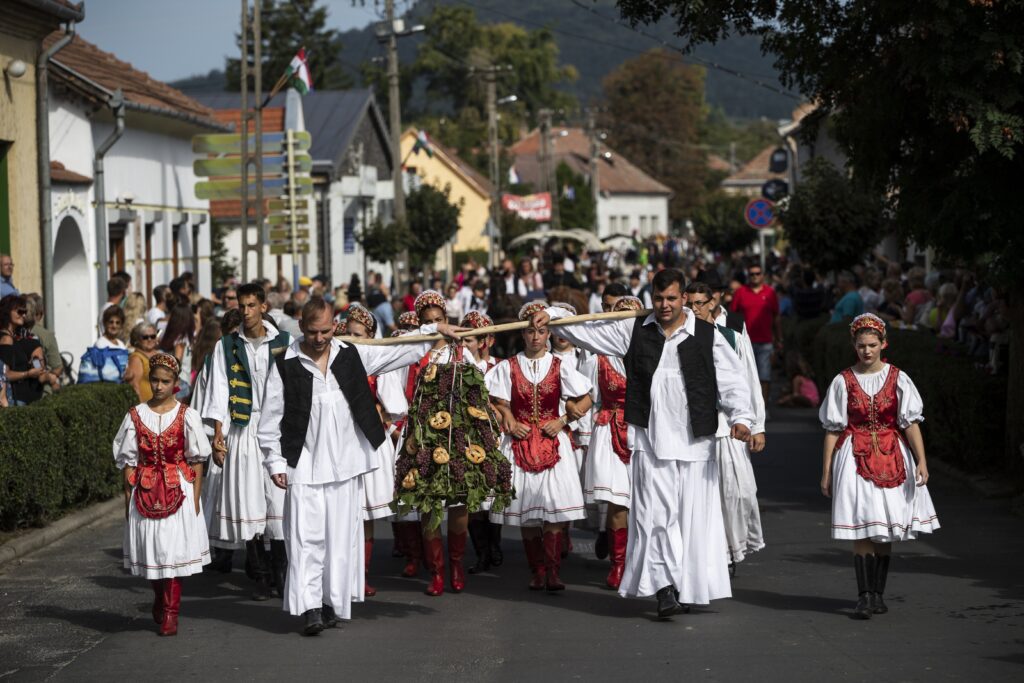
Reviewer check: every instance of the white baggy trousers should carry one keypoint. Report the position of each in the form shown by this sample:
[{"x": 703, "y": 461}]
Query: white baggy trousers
[{"x": 323, "y": 529}]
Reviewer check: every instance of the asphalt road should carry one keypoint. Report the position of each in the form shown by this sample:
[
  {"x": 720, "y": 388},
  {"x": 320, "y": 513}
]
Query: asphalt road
[{"x": 70, "y": 613}]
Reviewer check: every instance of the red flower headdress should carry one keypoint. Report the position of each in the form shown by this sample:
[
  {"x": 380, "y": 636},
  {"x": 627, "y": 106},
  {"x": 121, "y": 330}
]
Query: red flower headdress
[
  {"x": 867, "y": 321},
  {"x": 628, "y": 303},
  {"x": 428, "y": 298},
  {"x": 530, "y": 308}
]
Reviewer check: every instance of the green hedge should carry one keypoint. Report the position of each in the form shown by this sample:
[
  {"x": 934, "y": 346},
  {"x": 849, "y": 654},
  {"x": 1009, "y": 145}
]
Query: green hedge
[
  {"x": 964, "y": 408},
  {"x": 56, "y": 453}
]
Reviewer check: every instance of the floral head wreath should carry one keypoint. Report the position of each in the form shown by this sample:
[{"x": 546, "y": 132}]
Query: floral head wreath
[
  {"x": 428, "y": 298},
  {"x": 164, "y": 360},
  {"x": 628, "y": 303},
  {"x": 409, "y": 319},
  {"x": 476, "y": 320},
  {"x": 398, "y": 333},
  {"x": 357, "y": 313},
  {"x": 529, "y": 309},
  {"x": 564, "y": 306},
  {"x": 867, "y": 321}
]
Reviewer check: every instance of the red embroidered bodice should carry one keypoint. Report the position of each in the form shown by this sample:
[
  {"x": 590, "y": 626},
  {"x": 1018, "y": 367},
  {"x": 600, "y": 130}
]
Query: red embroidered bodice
[
  {"x": 871, "y": 421},
  {"x": 533, "y": 405},
  {"x": 613, "y": 403},
  {"x": 161, "y": 467}
]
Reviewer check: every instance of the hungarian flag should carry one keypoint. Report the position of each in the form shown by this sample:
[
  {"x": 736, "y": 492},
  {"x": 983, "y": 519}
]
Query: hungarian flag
[
  {"x": 422, "y": 143},
  {"x": 298, "y": 73}
]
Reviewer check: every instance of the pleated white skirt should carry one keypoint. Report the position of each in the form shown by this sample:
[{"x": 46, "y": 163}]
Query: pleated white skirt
[
  {"x": 554, "y": 495},
  {"x": 739, "y": 499},
  {"x": 676, "y": 533},
  {"x": 379, "y": 484},
  {"x": 862, "y": 510},
  {"x": 606, "y": 477},
  {"x": 166, "y": 548},
  {"x": 248, "y": 502}
]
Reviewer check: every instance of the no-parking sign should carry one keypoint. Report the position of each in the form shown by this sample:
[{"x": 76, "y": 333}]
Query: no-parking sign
[{"x": 759, "y": 213}]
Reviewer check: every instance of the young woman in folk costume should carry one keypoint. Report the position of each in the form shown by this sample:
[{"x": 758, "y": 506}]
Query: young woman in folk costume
[
  {"x": 484, "y": 534},
  {"x": 161, "y": 446},
  {"x": 526, "y": 390},
  {"x": 388, "y": 391},
  {"x": 879, "y": 495},
  {"x": 606, "y": 476}
]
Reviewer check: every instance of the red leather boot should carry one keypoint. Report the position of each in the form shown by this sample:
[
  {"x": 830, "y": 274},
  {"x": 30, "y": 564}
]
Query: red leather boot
[
  {"x": 172, "y": 602},
  {"x": 618, "y": 557},
  {"x": 553, "y": 560},
  {"x": 456, "y": 549},
  {"x": 368, "y": 590},
  {"x": 412, "y": 545},
  {"x": 158, "y": 599},
  {"x": 534, "y": 548},
  {"x": 435, "y": 558}
]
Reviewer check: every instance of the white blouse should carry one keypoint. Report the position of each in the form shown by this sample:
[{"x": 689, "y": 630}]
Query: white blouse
[
  {"x": 126, "y": 443},
  {"x": 499, "y": 378},
  {"x": 833, "y": 409}
]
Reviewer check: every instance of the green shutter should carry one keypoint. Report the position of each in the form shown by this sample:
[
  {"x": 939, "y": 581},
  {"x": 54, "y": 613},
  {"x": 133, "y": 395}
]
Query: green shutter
[{"x": 5, "y": 203}]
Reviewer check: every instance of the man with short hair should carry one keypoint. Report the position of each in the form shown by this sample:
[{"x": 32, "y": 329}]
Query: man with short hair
[
  {"x": 159, "y": 310},
  {"x": 249, "y": 507},
  {"x": 34, "y": 322},
  {"x": 679, "y": 372},
  {"x": 850, "y": 303},
  {"x": 6, "y": 274},
  {"x": 126, "y": 276},
  {"x": 116, "y": 289},
  {"x": 757, "y": 302},
  {"x": 319, "y": 433}
]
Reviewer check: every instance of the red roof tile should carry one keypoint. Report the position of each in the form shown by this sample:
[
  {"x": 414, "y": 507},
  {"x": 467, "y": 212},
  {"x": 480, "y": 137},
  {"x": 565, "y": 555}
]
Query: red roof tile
[{"x": 59, "y": 174}]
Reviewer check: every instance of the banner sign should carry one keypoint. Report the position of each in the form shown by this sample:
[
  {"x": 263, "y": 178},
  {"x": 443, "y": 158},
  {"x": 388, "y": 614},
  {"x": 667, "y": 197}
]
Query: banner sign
[{"x": 534, "y": 207}]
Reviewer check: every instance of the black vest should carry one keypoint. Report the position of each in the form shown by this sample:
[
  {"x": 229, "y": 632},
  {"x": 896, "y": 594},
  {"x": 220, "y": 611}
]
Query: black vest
[
  {"x": 348, "y": 369},
  {"x": 697, "y": 361},
  {"x": 734, "y": 320}
]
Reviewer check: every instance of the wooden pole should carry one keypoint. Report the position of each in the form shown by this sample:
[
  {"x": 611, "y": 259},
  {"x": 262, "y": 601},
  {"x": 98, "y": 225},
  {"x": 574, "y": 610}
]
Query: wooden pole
[{"x": 494, "y": 329}]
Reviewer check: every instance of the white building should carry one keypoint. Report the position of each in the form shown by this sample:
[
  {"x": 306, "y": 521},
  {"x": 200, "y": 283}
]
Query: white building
[
  {"x": 155, "y": 227},
  {"x": 629, "y": 200}
]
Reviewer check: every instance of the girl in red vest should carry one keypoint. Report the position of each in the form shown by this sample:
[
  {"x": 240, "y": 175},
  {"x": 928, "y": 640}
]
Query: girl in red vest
[
  {"x": 879, "y": 494},
  {"x": 161, "y": 446}
]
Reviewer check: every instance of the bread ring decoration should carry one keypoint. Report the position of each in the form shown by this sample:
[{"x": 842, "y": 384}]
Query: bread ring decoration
[
  {"x": 441, "y": 456},
  {"x": 441, "y": 420},
  {"x": 475, "y": 454}
]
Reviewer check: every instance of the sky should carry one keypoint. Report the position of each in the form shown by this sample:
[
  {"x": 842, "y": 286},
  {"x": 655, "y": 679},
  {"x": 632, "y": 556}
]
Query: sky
[{"x": 172, "y": 39}]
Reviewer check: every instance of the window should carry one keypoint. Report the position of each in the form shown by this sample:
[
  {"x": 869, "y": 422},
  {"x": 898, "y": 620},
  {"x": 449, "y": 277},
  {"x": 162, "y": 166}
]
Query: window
[
  {"x": 643, "y": 225},
  {"x": 613, "y": 224},
  {"x": 116, "y": 246},
  {"x": 5, "y": 203},
  {"x": 624, "y": 223},
  {"x": 654, "y": 225},
  {"x": 174, "y": 250},
  {"x": 150, "y": 229}
]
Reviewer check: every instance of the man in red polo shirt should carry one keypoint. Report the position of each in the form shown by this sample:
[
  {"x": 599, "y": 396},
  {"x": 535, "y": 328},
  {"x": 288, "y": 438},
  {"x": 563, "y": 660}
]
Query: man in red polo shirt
[{"x": 759, "y": 306}]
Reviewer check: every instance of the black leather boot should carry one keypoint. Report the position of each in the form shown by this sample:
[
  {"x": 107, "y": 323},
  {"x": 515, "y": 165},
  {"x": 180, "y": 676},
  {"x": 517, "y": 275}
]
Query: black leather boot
[
  {"x": 314, "y": 622},
  {"x": 329, "y": 616},
  {"x": 261, "y": 566},
  {"x": 479, "y": 536},
  {"x": 878, "y": 605},
  {"x": 494, "y": 536},
  {"x": 279, "y": 566},
  {"x": 601, "y": 545},
  {"x": 668, "y": 605},
  {"x": 864, "y": 566}
]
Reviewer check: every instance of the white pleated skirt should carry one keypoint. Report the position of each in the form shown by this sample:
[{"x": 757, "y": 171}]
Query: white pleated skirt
[
  {"x": 739, "y": 499},
  {"x": 248, "y": 502},
  {"x": 554, "y": 495},
  {"x": 862, "y": 510},
  {"x": 379, "y": 484},
  {"x": 676, "y": 534},
  {"x": 606, "y": 477},
  {"x": 166, "y": 548}
]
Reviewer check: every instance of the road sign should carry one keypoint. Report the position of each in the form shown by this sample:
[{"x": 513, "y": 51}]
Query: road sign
[
  {"x": 775, "y": 189},
  {"x": 778, "y": 162},
  {"x": 232, "y": 188},
  {"x": 232, "y": 166},
  {"x": 230, "y": 143},
  {"x": 759, "y": 213},
  {"x": 284, "y": 235},
  {"x": 286, "y": 218},
  {"x": 281, "y": 249}
]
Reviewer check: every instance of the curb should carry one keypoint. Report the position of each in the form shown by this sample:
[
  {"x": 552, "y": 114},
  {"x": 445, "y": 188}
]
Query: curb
[{"x": 41, "y": 538}]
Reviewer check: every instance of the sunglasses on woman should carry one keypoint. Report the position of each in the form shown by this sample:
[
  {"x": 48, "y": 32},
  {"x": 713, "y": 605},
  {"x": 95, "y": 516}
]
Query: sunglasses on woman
[{"x": 147, "y": 337}]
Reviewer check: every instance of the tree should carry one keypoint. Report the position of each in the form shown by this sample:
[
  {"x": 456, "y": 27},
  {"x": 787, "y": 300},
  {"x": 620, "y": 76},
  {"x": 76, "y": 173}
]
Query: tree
[
  {"x": 831, "y": 223},
  {"x": 288, "y": 25},
  {"x": 927, "y": 105},
  {"x": 654, "y": 110},
  {"x": 433, "y": 221},
  {"x": 720, "y": 226},
  {"x": 382, "y": 242},
  {"x": 576, "y": 206}
]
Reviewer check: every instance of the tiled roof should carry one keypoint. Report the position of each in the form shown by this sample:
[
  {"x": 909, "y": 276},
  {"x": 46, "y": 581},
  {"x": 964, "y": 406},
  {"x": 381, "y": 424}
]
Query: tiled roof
[
  {"x": 616, "y": 174},
  {"x": 83, "y": 60},
  {"x": 59, "y": 174},
  {"x": 755, "y": 170},
  {"x": 717, "y": 163}
]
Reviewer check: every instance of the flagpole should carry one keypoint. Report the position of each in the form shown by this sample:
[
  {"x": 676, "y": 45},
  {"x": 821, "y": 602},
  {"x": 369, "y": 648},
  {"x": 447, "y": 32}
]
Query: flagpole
[{"x": 277, "y": 86}]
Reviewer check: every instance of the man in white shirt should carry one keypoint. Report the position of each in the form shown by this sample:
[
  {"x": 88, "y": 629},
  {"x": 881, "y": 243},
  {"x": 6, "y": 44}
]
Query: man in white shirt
[
  {"x": 680, "y": 371},
  {"x": 319, "y": 432}
]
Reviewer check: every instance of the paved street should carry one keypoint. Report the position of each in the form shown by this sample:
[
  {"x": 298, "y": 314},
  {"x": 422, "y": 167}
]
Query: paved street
[{"x": 68, "y": 612}]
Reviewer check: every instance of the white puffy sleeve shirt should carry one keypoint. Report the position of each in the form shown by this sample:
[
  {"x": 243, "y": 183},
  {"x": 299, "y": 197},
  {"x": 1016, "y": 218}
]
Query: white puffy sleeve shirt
[
  {"x": 499, "y": 378},
  {"x": 126, "y": 442},
  {"x": 832, "y": 413},
  {"x": 668, "y": 434}
]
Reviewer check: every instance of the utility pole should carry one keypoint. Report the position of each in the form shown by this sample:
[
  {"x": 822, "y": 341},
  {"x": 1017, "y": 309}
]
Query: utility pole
[
  {"x": 257, "y": 55},
  {"x": 395, "y": 124},
  {"x": 595, "y": 153},
  {"x": 492, "y": 139},
  {"x": 251, "y": 30},
  {"x": 243, "y": 65},
  {"x": 547, "y": 165}
]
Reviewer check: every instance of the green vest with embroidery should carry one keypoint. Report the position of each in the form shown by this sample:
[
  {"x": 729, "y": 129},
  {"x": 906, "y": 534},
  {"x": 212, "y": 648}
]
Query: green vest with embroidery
[
  {"x": 729, "y": 334},
  {"x": 236, "y": 361}
]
